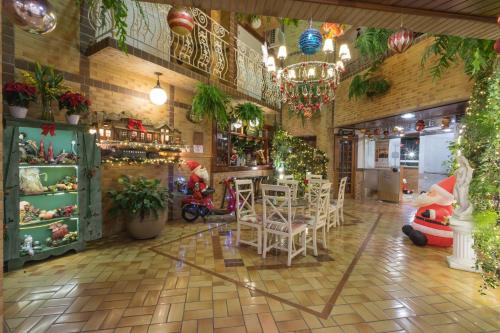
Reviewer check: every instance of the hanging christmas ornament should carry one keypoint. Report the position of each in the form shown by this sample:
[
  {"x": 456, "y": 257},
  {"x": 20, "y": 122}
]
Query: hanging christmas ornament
[
  {"x": 34, "y": 16},
  {"x": 310, "y": 40},
  {"x": 445, "y": 122},
  {"x": 180, "y": 20},
  {"x": 386, "y": 133},
  {"x": 401, "y": 40},
  {"x": 420, "y": 125},
  {"x": 497, "y": 46},
  {"x": 376, "y": 131},
  {"x": 332, "y": 30}
]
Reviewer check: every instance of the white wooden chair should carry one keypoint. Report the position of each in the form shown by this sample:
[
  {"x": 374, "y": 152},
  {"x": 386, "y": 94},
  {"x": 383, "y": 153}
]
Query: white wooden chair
[
  {"x": 277, "y": 221},
  {"x": 245, "y": 213},
  {"x": 318, "y": 218},
  {"x": 287, "y": 177},
  {"x": 337, "y": 208},
  {"x": 292, "y": 184},
  {"x": 311, "y": 177}
]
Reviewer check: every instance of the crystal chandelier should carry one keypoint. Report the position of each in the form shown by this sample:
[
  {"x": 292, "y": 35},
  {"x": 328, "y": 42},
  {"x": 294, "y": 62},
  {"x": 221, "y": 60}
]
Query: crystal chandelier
[{"x": 306, "y": 85}]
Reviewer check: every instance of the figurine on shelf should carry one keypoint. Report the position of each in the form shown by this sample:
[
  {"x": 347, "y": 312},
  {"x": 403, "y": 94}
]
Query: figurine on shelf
[
  {"x": 28, "y": 150},
  {"x": 41, "y": 153},
  {"x": 59, "y": 230},
  {"x": 29, "y": 181},
  {"x": 27, "y": 246},
  {"x": 27, "y": 212},
  {"x": 65, "y": 158},
  {"x": 50, "y": 153}
]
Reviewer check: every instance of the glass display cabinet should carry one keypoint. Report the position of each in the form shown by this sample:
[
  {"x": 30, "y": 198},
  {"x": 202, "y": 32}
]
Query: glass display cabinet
[{"x": 51, "y": 188}]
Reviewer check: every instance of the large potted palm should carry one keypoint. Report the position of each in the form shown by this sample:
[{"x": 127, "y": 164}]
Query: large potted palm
[{"x": 143, "y": 204}]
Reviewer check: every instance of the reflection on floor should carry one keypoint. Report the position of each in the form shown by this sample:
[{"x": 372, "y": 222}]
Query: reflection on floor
[
  {"x": 426, "y": 180},
  {"x": 195, "y": 279}
]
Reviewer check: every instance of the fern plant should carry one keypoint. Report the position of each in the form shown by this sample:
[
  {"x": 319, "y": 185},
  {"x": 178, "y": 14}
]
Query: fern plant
[
  {"x": 372, "y": 43},
  {"x": 209, "y": 101},
  {"x": 477, "y": 55},
  {"x": 369, "y": 85},
  {"x": 247, "y": 112}
]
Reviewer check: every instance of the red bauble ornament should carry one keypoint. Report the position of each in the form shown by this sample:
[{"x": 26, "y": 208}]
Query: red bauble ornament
[
  {"x": 497, "y": 46},
  {"x": 376, "y": 131},
  {"x": 420, "y": 125},
  {"x": 180, "y": 20},
  {"x": 401, "y": 40}
]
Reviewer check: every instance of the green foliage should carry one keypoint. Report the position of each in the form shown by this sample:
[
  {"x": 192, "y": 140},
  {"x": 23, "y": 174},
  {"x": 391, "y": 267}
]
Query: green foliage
[
  {"x": 48, "y": 83},
  {"x": 247, "y": 112},
  {"x": 372, "y": 43},
  {"x": 289, "y": 22},
  {"x": 479, "y": 142},
  {"x": 297, "y": 157},
  {"x": 211, "y": 102},
  {"x": 118, "y": 11},
  {"x": 139, "y": 196},
  {"x": 477, "y": 55},
  {"x": 368, "y": 85}
]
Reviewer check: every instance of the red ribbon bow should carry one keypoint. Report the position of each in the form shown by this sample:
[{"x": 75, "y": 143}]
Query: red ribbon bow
[
  {"x": 49, "y": 129},
  {"x": 135, "y": 123}
]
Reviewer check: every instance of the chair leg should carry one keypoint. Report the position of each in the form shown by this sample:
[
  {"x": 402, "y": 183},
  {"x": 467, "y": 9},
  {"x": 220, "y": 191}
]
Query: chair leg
[
  {"x": 238, "y": 233},
  {"x": 259, "y": 240},
  {"x": 264, "y": 249},
  {"x": 315, "y": 242},
  {"x": 290, "y": 240},
  {"x": 324, "y": 237},
  {"x": 342, "y": 214},
  {"x": 304, "y": 243}
]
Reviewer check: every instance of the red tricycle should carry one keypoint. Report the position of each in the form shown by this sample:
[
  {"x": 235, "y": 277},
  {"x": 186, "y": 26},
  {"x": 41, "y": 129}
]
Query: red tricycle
[{"x": 200, "y": 203}]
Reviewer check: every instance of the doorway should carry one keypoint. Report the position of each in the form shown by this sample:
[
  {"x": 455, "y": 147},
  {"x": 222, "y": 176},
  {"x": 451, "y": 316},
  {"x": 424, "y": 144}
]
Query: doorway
[{"x": 345, "y": 162}]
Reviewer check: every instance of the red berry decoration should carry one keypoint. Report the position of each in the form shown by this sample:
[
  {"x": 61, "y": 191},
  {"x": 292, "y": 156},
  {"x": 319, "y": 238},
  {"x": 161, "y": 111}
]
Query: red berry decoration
[
  {"x": 420, "y": 125},
  {"x": 401, "y": 40},
  {"x": 497, "y": 46}
]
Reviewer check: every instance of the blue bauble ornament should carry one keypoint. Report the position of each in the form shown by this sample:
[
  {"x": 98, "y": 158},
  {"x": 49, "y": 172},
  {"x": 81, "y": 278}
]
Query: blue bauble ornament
[{"x": 310, "y": 41}]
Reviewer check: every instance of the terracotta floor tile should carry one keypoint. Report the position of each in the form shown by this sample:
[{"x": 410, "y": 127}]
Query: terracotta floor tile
[
  {"x": 238, "y": 329},
  {"x": 228, "y": 322},
  {"x": 66, "y": 327},
  {"x": 134, "y": 320}
]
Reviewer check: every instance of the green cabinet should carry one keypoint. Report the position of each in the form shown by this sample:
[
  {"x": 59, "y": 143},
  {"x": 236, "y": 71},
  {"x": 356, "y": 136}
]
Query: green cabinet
[{"x": 52, "y": 198}]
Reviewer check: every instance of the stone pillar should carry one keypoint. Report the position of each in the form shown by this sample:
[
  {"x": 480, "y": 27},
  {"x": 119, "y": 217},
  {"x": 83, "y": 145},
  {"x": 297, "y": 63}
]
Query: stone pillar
[{"x": 463, "y": 257}]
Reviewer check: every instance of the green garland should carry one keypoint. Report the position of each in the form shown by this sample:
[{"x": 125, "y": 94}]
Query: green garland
[{"x": 297, "y": 157}]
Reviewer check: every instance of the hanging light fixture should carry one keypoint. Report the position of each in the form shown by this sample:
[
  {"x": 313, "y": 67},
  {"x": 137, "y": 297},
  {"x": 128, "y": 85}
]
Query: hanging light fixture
[
  {"x": 344, "y": 53},
  {"x": 271, "y": 64},
  {"x": 282, "y": 52},
  {"x": 328, "y": 45},
  {"x": 157, "y": 95}
]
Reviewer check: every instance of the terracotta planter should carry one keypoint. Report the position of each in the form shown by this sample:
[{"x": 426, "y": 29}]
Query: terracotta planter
[
  {"x": 149, "y": 227},
  {"x": 19, "y": 112},
  {"x": 73, "y": 119}
]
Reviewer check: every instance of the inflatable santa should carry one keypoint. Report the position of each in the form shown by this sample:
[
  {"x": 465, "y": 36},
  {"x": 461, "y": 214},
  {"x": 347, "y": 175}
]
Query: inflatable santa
[
  {"x": 431, "y": 225},
  {"x": 198, "y": 179}
]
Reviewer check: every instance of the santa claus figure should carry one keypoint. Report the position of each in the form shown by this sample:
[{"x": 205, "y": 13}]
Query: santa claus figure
[
  {"x": 431, "y": 225},
  {"x": 198, "y": 179}
]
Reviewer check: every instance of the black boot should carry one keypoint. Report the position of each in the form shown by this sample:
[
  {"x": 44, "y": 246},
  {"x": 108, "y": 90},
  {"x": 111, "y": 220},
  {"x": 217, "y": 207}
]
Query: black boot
[
  {"x": 407, "y": 229},
  {"x": 418, "y": 238}
]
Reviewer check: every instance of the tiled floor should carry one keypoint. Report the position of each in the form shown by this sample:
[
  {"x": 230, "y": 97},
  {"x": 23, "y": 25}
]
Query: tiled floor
[{"x": 194, "y": 279}]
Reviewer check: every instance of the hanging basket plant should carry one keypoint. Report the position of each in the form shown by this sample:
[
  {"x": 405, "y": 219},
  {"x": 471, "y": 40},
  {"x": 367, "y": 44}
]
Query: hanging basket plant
[
  {"x": 210, "y": 102},
  {"x": 249, "y": 114},
  {"x": 368, "y": 85}
]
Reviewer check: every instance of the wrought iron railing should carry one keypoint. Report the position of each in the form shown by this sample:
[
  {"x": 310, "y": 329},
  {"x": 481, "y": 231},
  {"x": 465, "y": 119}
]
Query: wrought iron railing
[{"x": 210, "y": 48}]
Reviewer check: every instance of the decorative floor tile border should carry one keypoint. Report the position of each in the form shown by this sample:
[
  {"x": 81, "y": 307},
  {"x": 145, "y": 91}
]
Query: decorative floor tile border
[{"x": 329, "y": 304}]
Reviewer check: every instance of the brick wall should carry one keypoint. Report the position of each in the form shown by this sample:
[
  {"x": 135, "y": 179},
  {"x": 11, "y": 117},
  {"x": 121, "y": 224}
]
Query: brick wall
[{"x": 412, "y": 89}]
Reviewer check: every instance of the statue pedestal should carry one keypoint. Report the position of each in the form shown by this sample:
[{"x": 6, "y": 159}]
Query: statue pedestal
[{"x": 464, "y": 257}]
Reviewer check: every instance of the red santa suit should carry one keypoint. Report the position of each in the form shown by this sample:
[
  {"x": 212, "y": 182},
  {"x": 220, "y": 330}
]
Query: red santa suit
[
  {"x": 431, "y": 219},
  {"x": 198, "y": 178}
]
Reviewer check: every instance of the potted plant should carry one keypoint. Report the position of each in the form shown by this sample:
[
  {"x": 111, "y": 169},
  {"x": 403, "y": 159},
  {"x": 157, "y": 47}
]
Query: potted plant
[
  {"x": 18, "y": 97},
  {"x": 143, "y": 203},
  {"x": 49, "y": 86},
  {"x": 250, "y": 115},
  {"x": 210, "y": 101},
  {"x": 75, "y": 105}
]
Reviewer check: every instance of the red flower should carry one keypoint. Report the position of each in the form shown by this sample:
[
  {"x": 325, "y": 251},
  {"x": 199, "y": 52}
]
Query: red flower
[{"x": 75, "y": 103}]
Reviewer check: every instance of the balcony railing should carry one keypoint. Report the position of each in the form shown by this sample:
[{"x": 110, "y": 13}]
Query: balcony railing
[{"x": 210, "y": 48}]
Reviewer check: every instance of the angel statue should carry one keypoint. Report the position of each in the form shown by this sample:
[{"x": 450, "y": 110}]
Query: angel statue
[{"x": 463, "y": 211}]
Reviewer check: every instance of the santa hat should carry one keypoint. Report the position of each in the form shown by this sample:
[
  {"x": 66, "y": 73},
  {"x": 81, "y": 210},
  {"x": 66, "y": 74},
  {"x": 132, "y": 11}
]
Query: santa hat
[
  {"x": 192, "y": 165},
  {"x": 445, "y": 187}
]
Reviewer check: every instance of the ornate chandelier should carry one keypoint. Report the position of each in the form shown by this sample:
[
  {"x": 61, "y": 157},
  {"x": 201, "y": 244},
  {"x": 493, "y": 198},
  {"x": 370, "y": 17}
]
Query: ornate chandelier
[{"x": 307, "y": 85}]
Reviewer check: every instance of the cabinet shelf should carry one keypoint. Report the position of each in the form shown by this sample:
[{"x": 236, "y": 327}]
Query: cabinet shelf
[
  {"x": 23, "y": 166},
  {"x": 47, "y": 193},
  {"x": 43, "y": 223}
]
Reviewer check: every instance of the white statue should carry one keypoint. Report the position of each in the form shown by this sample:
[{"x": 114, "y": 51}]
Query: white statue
[
  {"x": 464, "y": 208},
  {"x": 28, "y": 245}
]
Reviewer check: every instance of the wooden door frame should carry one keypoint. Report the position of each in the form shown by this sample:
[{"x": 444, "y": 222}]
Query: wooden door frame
[{"x": 336, "y": 159}]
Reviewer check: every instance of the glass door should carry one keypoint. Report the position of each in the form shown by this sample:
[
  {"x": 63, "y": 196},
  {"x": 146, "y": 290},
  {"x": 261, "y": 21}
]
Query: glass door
[{"x": 345, "y": 162}]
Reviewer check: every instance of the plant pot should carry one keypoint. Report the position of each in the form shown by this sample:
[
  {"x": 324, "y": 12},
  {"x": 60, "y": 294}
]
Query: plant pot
[
  {"x": 149, "y": 227},
  {"x": 18, "y": 111},
  {"x": 73, "y": 119}
]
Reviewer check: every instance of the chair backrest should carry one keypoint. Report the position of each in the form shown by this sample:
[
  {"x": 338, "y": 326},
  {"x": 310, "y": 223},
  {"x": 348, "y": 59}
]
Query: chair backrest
[
  {"x": 341, "y": 195},
  {"x": 287, "y": 177},
  {"x": 313, "y": 188},
  {"x": 277, "y": 207},
  {"x": 310, "y": 176},
  {"x": 292, "y": 184},
  {"x": 321, "y": 205},
  {"x": 245, "y": 200}
]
